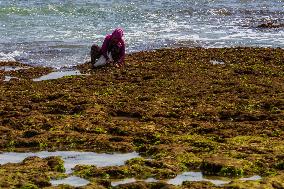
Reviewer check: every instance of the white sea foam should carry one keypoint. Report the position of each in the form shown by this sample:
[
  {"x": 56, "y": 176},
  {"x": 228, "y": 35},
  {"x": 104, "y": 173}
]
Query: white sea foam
[
  {"x": 11, "y": 56},
  {"x": 155, "y": 24}
]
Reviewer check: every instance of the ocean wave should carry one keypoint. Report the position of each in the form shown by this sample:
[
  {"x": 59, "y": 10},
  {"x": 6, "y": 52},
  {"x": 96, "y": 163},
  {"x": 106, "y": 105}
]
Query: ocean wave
[
  {"x": 11, "y": 56},
  {"x": 56, "y": 32},
  {"x": 50, "y": 9},
  {"x": 221, "y": 12}
]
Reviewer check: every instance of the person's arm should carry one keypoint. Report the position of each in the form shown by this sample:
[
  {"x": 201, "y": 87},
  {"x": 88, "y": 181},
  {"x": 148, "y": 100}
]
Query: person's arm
[
  {"x": 122, "y": 54},
  {"x": 105, "y": 46}
]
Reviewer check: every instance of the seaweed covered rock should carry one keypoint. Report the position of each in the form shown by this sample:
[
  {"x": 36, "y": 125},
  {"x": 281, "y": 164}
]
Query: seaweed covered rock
[
  {"x": 177, "y": 106},
  {"x": 222, "y": 166},
  {"x": 32, "y": 172}
]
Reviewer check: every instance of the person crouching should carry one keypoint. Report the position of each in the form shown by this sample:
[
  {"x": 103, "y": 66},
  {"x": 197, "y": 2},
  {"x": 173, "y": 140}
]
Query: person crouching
[{"x": 111, "y": 52}]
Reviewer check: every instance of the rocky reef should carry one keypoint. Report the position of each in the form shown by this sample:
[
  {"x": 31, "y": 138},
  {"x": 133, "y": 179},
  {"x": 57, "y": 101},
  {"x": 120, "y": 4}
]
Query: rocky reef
[{"x": 218, "y": 111}]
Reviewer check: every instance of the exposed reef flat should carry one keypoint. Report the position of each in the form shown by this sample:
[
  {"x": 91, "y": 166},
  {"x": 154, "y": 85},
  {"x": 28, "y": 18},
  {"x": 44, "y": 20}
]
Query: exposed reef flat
[{"x": 218, "y": 111}]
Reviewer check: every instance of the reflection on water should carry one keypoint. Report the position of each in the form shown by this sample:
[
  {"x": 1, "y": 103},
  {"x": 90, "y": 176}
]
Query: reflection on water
[
  {"x": 189, "y": 176},
  {"x": 197, "y": 176},
  {"x": 125, "y": 181},
  {"x": 59, "y": 74},
  {"x": 72, "y": 181}
]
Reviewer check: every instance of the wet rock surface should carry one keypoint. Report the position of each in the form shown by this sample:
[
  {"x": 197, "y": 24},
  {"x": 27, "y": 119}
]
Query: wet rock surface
[
  {"x": 22, "y": 71},
  {"x": 33, "y": 172},
  {"x": 271, "y": 25},
  {"x": 172, "y": 105}
]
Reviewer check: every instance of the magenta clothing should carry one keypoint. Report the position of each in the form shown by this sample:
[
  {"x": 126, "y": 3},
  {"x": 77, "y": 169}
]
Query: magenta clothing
[{"x": 107, "y": 45}]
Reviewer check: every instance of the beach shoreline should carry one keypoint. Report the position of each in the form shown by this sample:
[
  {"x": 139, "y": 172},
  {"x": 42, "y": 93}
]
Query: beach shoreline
[{"x": 217, "y": 110}]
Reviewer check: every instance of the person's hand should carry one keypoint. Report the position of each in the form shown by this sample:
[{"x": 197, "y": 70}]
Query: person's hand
[
  {"x": 118, "y": 64},
  {"x": 109, "y": 62}
]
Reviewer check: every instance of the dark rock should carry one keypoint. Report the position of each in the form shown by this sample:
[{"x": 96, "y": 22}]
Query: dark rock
[
  {"x": 136, "y": 185},
  {"x": 41, "y": 182},
  {"x": 30, "y": 133},
  {"x": 201, "y": 184},
  {"x": 105, "y": 183},
  {"x": 271, "y": 25},
  {"x": 116, "y": 139},
  {"x": 78, "y": 109},
  {"x": 221, "y": 166},
  {"x": 277, "y": 185},
  {"x": 46, "y": 126}
]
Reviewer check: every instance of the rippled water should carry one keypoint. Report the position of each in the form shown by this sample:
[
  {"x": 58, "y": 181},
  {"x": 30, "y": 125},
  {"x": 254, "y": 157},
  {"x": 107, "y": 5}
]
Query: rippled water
[{"x": 59, "y": 33}]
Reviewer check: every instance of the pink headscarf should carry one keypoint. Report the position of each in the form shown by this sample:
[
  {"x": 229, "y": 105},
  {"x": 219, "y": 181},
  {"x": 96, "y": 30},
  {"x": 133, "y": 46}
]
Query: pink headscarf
[{"x": 117, "y": 33}]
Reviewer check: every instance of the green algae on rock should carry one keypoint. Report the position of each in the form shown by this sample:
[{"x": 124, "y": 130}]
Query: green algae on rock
[
  {"x": 172, "y": 105},
  {"x": 33, "y": 172},
  {"x": 23, "y": 71}
]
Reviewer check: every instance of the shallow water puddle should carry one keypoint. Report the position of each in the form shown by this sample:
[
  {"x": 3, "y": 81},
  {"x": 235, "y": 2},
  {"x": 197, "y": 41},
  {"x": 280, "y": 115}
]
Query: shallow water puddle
[
  {"x": 216, "y": 62},
  {"x": 125, "y": 181},
  {"x": 72, "y": 181},
  {"x": 189, "y": 176},
  {"x": 58, "y": 74},
  {"x": 195, "y": 177},
  {"x": 71, "y": 159},
  {"x": 13, "y": 68},
  {"x": 131, "y": 180},
  {"x": 255, "y": 177},
  {"x": 198, "y": 176},
  {"x": 8, "y": 78}
]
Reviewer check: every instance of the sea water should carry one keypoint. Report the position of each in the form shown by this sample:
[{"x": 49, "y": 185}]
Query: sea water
[
  {"x": 71, "y": 159},
  {"x": 59, "y": 33},
  {"x": 191, "y": 177}
]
